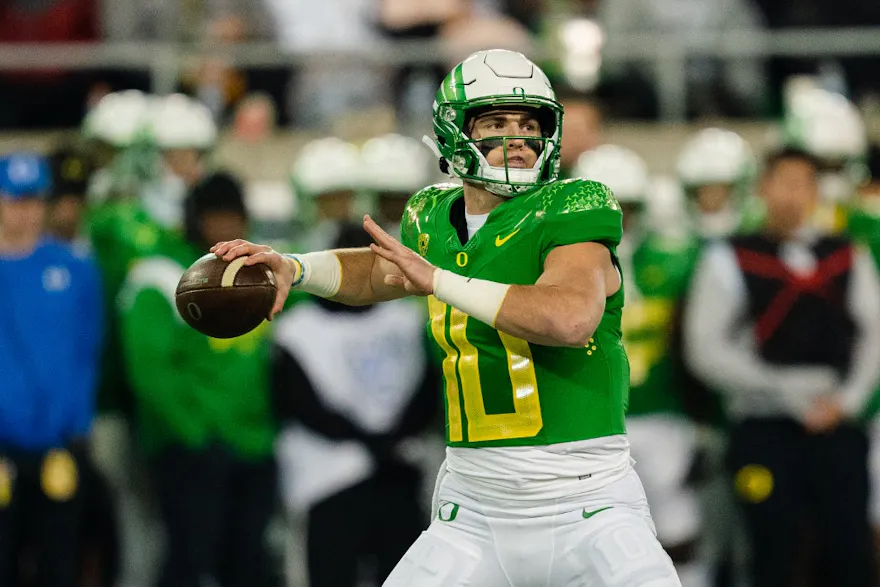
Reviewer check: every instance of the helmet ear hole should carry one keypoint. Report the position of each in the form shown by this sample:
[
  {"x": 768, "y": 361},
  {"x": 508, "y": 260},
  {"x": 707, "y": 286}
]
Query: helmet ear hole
[{"x": 444, "y": 165}]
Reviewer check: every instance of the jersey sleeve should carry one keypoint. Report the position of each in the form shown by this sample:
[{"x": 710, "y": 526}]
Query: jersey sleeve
[{"x": 579, "y": 211}]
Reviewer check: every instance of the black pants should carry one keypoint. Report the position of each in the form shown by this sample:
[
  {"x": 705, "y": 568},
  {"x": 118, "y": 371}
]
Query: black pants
[
  {"x": 791, "y": 485},
  {"x": 365, "y": 528},
  {"x": 42, "y": 501},
  {"x": 215, "y": 508}
]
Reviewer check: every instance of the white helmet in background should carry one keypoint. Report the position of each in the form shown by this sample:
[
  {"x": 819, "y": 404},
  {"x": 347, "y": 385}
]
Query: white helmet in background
[
  {"x": 118, "y": 119},
  {"x": 179, "y": 122},
  {"x": 714, "y": 156},
  {"x": 395, "y": 163},
  {"x": 327, "y": 165},
  {"x": 620, "y": 169},
  {"x": 830, "y": 127}
]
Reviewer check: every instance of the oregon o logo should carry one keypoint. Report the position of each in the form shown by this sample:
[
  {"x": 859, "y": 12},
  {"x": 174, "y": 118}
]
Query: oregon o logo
[
  {"x": 461, "y": 259},
  {"x": 194, "y": 311}
]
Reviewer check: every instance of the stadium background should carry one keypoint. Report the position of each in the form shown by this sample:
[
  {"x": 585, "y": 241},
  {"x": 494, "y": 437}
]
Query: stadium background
[{"x": 657, "y": 70}]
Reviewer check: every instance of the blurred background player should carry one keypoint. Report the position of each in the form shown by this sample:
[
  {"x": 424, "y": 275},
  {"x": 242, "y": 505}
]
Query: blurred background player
[
  {"x": 785, "y": 322},
  {"x": 203, "y": 411},
  {"x": 326, "y": 178},
  {"x": 830, "y": 128},
  {"x": 184, "y": 133},
  {"x": 51, "y": 325},
  {"x": 663, "y": 440},
  {"x": 716, "y": 168},
  {"x": 394, "y": 168},
  {"x": 582, "y": 129},
  {"x": 71, "y": 171},
  {"x": 114, "y": 132},
  {"x": 355, "y": 386}
]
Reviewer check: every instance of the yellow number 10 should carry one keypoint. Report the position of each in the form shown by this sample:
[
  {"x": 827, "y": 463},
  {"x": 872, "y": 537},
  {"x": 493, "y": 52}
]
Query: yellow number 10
[{"x": 524, "y": 422}]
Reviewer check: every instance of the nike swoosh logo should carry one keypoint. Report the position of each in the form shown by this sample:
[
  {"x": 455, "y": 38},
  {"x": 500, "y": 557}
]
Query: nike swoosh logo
[
  {"x": 500, "y": 241},
  {"x": 587, "y": 515}
]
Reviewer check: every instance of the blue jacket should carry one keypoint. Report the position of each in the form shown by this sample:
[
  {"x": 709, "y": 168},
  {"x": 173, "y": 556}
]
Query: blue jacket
[{"x": 51, "y": 326}]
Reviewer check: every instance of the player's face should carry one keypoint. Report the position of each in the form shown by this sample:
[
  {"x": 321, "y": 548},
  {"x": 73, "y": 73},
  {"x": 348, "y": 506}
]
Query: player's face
[
  {"x": 22, "y": 219},
  {"x": 712, "y": 199},
  {"x": 521, "y": 153},
  {"x": 65, "y": 215},
  {"x": 391, "y": 207},
  {"x": 335, "y": 206},
  {"x": 870, "y": 192},
  {"x": 790, "y": 192},
  {"x": 582, "y": 129},
  {"x": 223, "y": 225},
  {"x": 185, "y": 164}
]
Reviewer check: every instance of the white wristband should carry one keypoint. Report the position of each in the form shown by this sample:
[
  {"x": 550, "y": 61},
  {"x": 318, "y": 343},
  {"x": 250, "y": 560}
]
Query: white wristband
[
  {"x": 476, "y": 297},
  {"x": 319, "y": 273}
]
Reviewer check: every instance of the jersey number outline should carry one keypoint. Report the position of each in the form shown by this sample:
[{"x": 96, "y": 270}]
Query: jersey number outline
[{"x": 525, "y": 421}]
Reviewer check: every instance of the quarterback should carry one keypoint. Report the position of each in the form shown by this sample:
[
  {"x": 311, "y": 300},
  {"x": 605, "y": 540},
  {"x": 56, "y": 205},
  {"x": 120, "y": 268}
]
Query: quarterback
[{"x": 525, "y": 298}]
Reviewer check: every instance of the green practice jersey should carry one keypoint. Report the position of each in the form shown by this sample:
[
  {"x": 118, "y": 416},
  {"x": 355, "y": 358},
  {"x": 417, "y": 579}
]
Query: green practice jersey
[
  {"x": 501, "y": 390},
  {"x": 864, "y": 226},
  {"x": 658, "y": 275},
  {"x": 120, "y": 232}
]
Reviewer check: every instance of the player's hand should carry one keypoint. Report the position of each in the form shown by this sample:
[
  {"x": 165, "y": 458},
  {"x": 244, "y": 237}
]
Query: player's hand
[
  {"x": 418, "y": 274},
  {"x": 825, "y": 416},
  {"x": 284, "y": 268}
]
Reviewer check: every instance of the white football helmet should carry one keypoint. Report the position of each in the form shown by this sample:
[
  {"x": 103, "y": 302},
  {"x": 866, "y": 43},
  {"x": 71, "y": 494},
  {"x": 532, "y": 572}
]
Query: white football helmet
[
  {"x": 396, "y": 164},
  {"x": 619, "y": 168},
  {"x": 495, "y": 79},
  {"x": 826, "y": 125},
  {"x": 327, "y": 165},
  {"x": 715, "y": 156},
  {"x": 179, "y": 122},
  {"x": 118, "y": 119},
  {"x": 831, "y": 128}
]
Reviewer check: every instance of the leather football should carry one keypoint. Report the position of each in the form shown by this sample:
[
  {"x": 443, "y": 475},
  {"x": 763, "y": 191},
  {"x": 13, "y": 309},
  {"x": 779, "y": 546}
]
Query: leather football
[{"x": 225, "y": 299}]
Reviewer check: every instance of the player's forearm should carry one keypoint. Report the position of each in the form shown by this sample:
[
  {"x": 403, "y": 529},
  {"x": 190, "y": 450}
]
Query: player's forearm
[
  {"x": 544, "y": 314},
  {"x": 355, "y": 277},
  {"x": 550, "y": 315}
]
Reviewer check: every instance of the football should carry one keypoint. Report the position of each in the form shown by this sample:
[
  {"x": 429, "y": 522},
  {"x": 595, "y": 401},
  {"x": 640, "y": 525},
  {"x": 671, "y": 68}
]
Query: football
[{"x": 225, "y": 299}]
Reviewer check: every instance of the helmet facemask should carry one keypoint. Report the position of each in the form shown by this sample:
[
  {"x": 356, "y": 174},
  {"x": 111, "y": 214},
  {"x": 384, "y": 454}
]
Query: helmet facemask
[{"x": 470, "y": 156}]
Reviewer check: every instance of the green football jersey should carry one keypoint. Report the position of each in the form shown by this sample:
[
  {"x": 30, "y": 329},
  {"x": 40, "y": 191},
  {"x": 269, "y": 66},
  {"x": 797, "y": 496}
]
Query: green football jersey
[
  {"x": 659, "y": 272},
  {"x": 501, "y": 390},
  {"x": 864, "y": 226},
  {"x": 120, "y": 232}
]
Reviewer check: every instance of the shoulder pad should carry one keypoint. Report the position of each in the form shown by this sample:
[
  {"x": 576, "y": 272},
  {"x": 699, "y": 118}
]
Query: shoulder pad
[
  {"x": 419, "y": 207},
  {"x": 576, "y": 195},
  {"x": 428, "y": 197}
]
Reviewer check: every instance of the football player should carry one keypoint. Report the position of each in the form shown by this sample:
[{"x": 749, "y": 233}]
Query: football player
[
  {"x": 716, "y": 167},
  {"x": 325, "y": 178},
  {"x": 184, "y": 132},
  {"x": 830, "y": 127},
  {"x": 525, "y": 297},
  {"x": 394, "y": 168},
  {"x": 663, "y": 439}
]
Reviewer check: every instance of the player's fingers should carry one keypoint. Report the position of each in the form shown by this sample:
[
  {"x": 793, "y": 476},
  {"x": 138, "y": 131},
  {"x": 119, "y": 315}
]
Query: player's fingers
[
  {"x": 222, "y": 248},
  {"x": 245, "y": 248},
  {"x": 379, "y": 235},
  {"x": 384, "y": 253},
  {"x": 270, "y": 258}
]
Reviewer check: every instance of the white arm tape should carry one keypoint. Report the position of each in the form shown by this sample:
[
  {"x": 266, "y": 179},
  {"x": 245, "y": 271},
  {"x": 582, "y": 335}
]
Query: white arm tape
[
  {"x": 476, "y": 297},
  {"x": 319, "y": 273}
]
